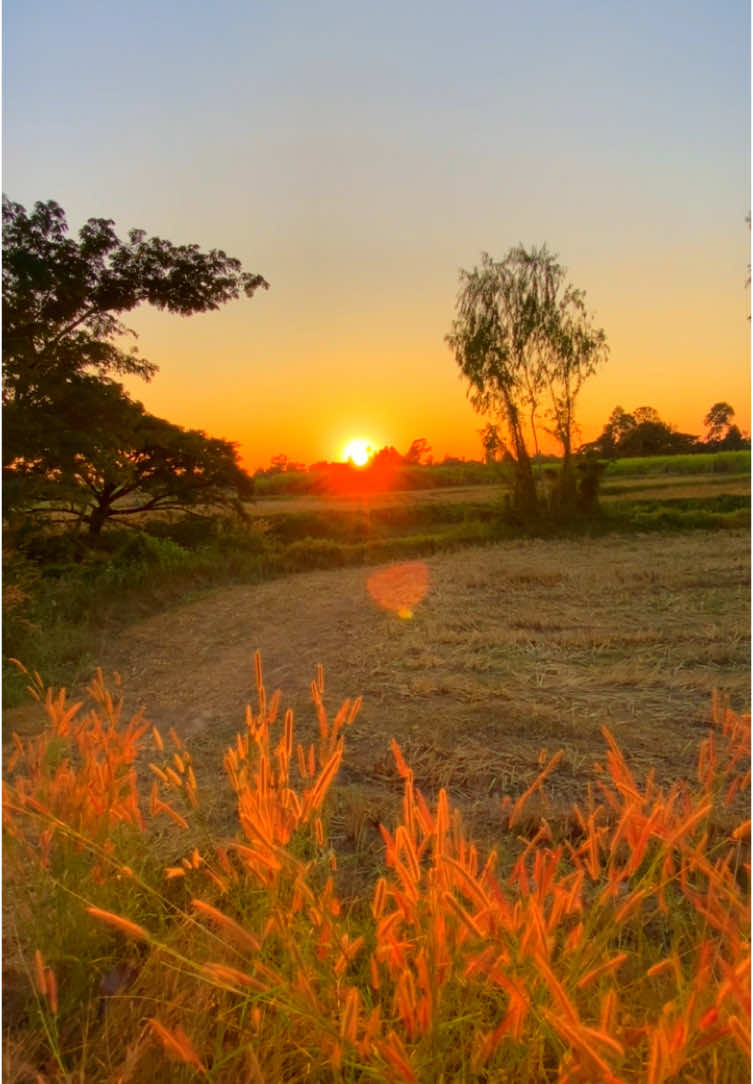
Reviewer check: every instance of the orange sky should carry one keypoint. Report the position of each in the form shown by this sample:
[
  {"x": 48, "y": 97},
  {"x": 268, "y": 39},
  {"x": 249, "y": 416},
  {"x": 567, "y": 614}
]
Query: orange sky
[
  {"x": 386, "y": 375},
  {"x": 358, "y": 155}
]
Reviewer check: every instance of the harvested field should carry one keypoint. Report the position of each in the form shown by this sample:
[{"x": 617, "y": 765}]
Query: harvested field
[
  {"x": 664, "y": 487},
  {"x": 517, "y": 647}
]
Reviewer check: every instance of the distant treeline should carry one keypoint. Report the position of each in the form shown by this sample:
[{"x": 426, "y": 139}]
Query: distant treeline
[
  {"x": 642, "y": 432},
  {"x": 639, "y": 434}
]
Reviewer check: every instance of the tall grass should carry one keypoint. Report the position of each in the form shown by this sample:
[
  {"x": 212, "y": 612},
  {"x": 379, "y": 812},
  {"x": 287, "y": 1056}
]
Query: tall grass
[{"x": 617, "y": 950}]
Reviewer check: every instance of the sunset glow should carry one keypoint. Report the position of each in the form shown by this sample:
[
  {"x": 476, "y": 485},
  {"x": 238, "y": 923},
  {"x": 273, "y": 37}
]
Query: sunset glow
[
  {"x": 359, "y": 451},
  {"x": 360, "y": 208}
]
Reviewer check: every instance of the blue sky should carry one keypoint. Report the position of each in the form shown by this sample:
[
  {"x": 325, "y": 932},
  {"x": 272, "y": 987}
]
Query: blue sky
[{"x": 358, "y": 154}]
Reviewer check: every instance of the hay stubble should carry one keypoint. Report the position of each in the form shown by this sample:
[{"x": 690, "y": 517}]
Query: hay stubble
[{"x": 517, "y": 647}]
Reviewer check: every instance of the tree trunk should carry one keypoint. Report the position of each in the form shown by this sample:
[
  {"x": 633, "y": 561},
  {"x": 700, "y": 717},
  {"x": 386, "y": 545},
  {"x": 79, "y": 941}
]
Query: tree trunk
[
  {"x": 525, "y": 499},
  {"x": 101, "y": 511},
  {"x": 97, "y": 519}
]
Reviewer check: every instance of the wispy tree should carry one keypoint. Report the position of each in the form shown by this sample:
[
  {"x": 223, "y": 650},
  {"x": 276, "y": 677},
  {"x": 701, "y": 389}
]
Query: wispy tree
[{"x": 525, "y": 342}]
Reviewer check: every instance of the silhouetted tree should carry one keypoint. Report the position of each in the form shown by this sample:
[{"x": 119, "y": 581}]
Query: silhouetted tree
[
  {"x": 119, "y": 461},
  {"x": 419, "y": 450},
  {"x": 522, "y": 334},
  {"x": 652, "y": 436},
  {"x": 606, "y": 445},
  {"x": 640, "y": 433},
  {"x": 643, "y": 414},
  {"x": 491, "y": 442},
  {"x": 386, "y": 457},
  {"x": 62, "y": 302},
  {"x": 718, "y": 421}
]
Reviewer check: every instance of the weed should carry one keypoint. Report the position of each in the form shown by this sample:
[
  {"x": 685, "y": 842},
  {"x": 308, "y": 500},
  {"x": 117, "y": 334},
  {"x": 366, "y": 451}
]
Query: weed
[{"x": 620, "y": 952}]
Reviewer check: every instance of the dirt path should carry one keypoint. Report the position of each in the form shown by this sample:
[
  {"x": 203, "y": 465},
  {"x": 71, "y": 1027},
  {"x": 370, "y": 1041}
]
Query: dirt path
[{"x": 515, "y": 647}]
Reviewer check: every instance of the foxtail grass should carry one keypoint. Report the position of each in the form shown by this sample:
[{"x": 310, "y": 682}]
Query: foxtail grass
[{"x": 617, "y": 952}]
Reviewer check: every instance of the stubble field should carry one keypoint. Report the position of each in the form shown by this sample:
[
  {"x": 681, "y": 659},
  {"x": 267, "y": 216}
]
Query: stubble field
[{"x": 516, "y": 648}]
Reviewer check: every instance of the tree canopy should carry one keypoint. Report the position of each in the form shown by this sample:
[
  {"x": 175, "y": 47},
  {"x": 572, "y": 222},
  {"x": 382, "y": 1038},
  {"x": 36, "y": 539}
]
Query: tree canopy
[
  {"x": 525, "y": 342},
  {"x": 642, "y": 432},
  {"x": 718, "y": 421},
  {"x": 62, "y": 297},
  {"x": 70, "y": 430},
  {"x": 123, "y": 462}
]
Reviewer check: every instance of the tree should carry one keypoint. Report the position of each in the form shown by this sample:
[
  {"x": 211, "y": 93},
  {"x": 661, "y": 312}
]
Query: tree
[
  {"x": 652, "y": 436},
  {"x": 576, "y": 349},
  {"x": 387, "y": 458},
  {"x": 66, "y": 420},
  {"x": 718, "y": 422},
  {"x": 62, "y": 298},
  {"x": 647, "y": 415},
  {"x": 620, "y": 423},
  {"x": 606, "y": 445},
  {"x": 491, "y": 442},
  {"x": 126, "y": 462},
  {"x": 522, "y": 334},
  {"x": 419, "y": 449}
]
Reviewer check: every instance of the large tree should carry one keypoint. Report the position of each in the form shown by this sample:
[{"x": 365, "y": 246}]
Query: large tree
[
  {"x": 639, "y": 433},
  {"x": 718, "y": 422},
  {"x": 63, "y": 299},
  {"x": 619, "y": 424},
  {"x": 524, "y": 341},
  {"x": 120, "y": 461}
]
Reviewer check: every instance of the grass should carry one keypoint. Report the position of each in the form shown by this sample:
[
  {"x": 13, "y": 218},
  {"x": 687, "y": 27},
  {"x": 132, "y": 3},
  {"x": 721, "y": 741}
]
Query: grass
[
  {"x": 396, "y": 478},
  {"x": 702, "y": 463},
  {"x": 60, "y": 597},
  {"x": 612, "y": 945}
]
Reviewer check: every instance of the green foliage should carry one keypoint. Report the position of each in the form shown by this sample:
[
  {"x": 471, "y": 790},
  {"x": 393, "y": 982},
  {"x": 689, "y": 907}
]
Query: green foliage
[
  {"x": 702, "y": 463},
  {"x": 523, "y": 339},
  {"x": 62, "y": 298},
  {"x": 74, "y": 443},
  {"x": 725, "y": 510},
  {"x": 340, "y": 478}
]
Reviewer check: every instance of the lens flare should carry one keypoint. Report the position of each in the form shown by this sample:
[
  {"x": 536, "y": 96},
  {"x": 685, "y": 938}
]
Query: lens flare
[{"x": 399, "y": 588}]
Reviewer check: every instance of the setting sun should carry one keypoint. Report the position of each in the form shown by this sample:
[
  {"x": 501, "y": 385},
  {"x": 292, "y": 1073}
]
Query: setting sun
[{"x": 359, "y": 451}]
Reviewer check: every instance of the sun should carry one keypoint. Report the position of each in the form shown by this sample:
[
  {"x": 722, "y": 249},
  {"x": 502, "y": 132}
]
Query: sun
[{"x": 359, "y": 451}]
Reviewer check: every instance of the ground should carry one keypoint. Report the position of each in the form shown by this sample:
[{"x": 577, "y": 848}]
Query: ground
[{"x": 516, "y": 648}]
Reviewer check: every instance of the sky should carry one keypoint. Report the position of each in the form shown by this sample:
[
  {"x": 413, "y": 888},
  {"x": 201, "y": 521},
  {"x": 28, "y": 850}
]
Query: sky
[{"x": 359, "y": 154}]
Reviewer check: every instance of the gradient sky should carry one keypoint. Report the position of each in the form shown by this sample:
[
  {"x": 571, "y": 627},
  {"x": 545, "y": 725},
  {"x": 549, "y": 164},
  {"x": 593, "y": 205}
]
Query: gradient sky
[{"x": 358, "y": 154}]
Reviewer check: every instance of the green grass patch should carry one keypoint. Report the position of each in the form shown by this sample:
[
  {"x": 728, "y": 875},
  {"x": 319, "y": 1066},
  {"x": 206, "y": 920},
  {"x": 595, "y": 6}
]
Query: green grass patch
[{"x": 703, "y": 463}]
